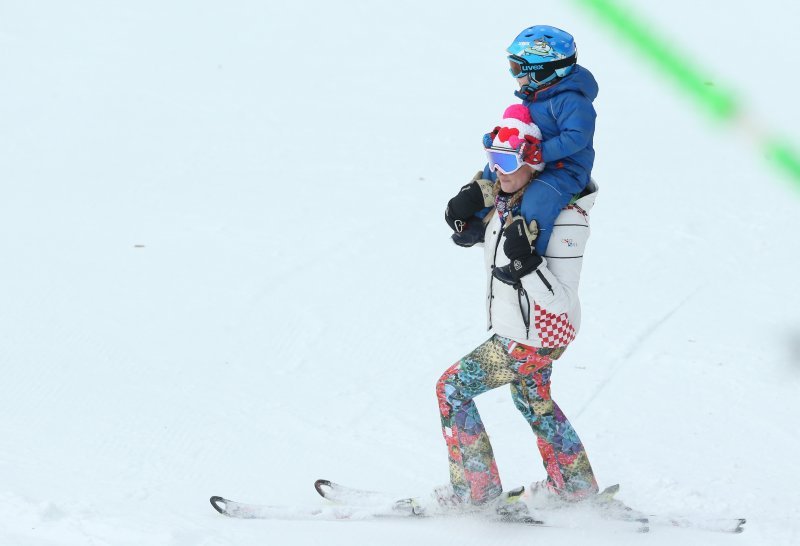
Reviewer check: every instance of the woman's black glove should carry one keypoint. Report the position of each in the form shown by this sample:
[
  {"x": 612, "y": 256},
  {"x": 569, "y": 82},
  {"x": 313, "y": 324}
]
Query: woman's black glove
[
  {"x": 518, "y": 246},
  {"x": 474, "y": 197},
  {"x": 472, "y": 233}
]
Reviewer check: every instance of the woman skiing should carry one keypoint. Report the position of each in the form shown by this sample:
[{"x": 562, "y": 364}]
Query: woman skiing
[{"x": 533, "y": 312}]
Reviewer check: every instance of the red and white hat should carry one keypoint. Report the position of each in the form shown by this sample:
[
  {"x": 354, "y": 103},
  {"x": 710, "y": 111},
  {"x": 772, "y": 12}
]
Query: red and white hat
[{"x": 510, "y": 133}]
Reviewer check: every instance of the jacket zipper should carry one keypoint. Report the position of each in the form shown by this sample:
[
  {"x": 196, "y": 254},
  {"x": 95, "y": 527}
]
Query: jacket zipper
[
  {"x": 521, "y": 291},
  {"x": 544, "y": 280}
]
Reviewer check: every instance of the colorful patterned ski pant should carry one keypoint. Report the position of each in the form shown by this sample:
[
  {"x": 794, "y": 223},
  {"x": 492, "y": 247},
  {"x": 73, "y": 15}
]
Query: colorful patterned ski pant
[{"x": 496, "y": 362}]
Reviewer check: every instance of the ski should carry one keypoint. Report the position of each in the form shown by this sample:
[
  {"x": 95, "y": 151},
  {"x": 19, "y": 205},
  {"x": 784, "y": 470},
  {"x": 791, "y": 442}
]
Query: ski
[
  {"x": 331, "y": 512},
  {"x": 511, "y": 508},
  {"x": 403, "y": 508},
  {"x": 356, "y": 504},
  {"x": 342, "y": 495}
]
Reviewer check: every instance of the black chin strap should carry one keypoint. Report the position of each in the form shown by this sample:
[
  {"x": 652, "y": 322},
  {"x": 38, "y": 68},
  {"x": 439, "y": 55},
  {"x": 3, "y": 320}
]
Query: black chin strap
[{"x": 524, "y": 93}]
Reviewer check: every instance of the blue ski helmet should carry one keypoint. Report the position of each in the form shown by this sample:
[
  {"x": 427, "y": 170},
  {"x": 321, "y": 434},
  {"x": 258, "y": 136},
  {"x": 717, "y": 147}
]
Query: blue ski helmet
[{"x": 543, "y": 53}]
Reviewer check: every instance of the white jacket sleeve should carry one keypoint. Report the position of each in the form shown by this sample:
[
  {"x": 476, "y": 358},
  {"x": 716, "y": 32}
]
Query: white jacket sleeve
[{"x": 554, "y": 285}]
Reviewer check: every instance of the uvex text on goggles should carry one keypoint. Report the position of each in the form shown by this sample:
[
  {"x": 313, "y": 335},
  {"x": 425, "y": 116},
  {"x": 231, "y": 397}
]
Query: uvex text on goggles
[
  {"x": 537, "y": 72},
  {"x": 507, "y": 161}
]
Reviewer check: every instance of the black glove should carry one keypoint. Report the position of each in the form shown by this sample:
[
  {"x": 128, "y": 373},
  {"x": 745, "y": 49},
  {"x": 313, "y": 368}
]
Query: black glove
[
  {"x": 471, "y": 234},
  {"x": 518, "y": 246},
  {"x": 475, "y": 196}
]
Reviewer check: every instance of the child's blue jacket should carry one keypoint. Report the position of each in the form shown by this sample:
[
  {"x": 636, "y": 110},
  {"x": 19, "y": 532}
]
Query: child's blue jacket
[{"x": 566, "y": 117}]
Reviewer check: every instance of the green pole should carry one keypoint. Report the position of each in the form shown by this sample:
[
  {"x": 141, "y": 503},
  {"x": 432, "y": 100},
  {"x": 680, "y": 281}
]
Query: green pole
[{"x": 721, "y": 104}]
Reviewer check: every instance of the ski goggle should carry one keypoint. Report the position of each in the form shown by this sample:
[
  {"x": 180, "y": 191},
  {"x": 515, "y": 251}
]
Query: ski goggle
[
  {"x": 537, "y": 72},
  {"x": 506, "y": 161}
]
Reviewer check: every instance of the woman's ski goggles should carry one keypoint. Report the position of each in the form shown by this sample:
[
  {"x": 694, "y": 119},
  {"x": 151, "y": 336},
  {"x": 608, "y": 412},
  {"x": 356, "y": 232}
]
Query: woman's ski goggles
[{"x": 507, "y": 161}]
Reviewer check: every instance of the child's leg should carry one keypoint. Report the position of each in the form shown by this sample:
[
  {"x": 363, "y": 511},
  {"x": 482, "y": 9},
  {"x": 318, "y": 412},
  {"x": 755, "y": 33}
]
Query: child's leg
[
  {"x": 563, "y": 454},
  {"x": 542, "y": 201},
  {"x": 473, "y": 471}
]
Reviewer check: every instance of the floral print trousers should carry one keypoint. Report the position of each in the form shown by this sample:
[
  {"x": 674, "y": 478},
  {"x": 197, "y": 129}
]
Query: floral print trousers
[{"x": 496, "y": 362}]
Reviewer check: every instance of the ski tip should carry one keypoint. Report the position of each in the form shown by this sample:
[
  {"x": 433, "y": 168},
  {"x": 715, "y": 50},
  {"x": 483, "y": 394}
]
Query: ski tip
[
  {"x": 219, "y": 504},
  {"x": 321, "y": 486}
]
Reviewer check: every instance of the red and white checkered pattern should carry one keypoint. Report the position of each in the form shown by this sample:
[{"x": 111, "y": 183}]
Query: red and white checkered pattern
[{"x": 554, "y": 330}]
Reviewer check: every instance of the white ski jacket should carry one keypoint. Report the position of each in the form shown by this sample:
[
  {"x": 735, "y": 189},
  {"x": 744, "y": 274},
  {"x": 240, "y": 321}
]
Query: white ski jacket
[{"x": 546, "y": 311}]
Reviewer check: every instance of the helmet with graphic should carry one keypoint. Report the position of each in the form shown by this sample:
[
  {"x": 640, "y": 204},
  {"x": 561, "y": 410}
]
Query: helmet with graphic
[{"x": 544, "y": 54}]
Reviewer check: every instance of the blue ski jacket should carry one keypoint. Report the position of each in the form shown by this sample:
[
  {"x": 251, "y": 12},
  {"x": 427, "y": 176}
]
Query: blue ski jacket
[{"x": 566, "y": 117}]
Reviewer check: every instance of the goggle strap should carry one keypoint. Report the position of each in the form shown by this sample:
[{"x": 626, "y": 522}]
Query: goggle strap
[{"x": 560, "y": 63}]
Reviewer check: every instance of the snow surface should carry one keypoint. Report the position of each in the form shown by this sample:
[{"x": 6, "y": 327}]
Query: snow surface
[{"x": 226, "y": 270}]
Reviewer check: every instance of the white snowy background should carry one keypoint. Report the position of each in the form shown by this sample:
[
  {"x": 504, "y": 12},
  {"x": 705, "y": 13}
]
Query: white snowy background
[{"x": 225, "y": 269}]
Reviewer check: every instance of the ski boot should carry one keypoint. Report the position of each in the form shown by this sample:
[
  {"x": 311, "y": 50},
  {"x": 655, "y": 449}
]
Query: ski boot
[
  {"x": 610, "y": 508},
  {"x": 511, "y": 507}
]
